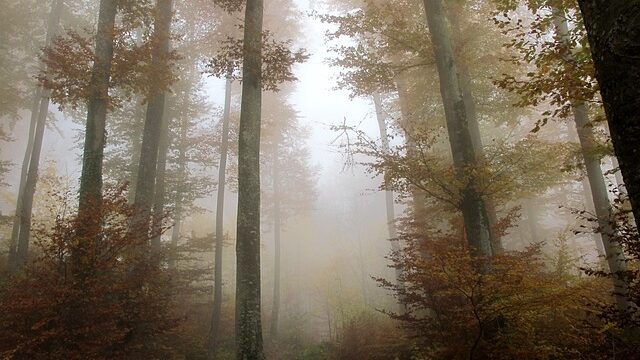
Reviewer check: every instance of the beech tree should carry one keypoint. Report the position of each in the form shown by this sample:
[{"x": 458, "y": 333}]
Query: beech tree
[
  {"x": 154, "y": 120},
  {"x": 477, "y": 225},
  {"x": 21, "y": 231},
  {"x": 612, "y": 32}
]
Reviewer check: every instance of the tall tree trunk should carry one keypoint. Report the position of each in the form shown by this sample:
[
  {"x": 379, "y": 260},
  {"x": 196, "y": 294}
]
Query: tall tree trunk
[
  {"x": 15, "y": 230},
  {"x": 160, "y": 186},
  {"x": 248, "y": 322},
  {"x": 277, "y": 221},
  {"x": 388, "y": 194},
  {"x": 136, "y": 148},
  {"x": 147, "y": 169},
  {"x": 466, "y": 86},
  {"x": 586, "y": 195},
  {"x": 95, "y": 133},
  {"x": 597, "y": 184},
  {"x": 476, "y": 220},
  {"x": 214, "y": 332},
  {"x": 613, "y": 27},
  {"x": 24, "y": 233}
]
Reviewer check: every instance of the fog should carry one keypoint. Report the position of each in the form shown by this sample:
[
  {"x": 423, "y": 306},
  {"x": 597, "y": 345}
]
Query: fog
[{"x": 445, "y": 186}]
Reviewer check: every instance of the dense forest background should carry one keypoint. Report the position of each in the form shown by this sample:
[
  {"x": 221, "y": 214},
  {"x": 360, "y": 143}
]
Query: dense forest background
[{"x": 319, "y": 179}]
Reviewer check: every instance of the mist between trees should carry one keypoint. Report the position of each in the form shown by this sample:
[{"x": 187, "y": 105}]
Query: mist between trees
[{"x": 319, "y": 179}]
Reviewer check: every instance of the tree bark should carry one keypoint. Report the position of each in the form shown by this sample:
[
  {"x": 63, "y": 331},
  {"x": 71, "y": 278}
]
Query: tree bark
[
  {"x": 613, "y": 27},
  {"x": 466, "y": 86},
  {"x": 597, "y": 184},
  {"x": 214, "y": 332},
  {"x": 90, "y": 199},
  {"x": 160, "y": 186},
  {"x": 476, "y": 220},
  {"x": 277, "y": 221},
  {"x": 147, "y": 168},
  {"x": 15, "y": 230},
  {"x": 249, "y": 345},
  {"x": 388, "y": 194},
  {"x": 24, "y": 233}
]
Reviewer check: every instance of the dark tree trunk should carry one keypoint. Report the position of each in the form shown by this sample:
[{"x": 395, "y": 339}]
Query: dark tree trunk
[
  {"x": 148, "y": 166},
  {"x": 15, "y": 230},
  {"x": 95, "y": 133},
  {"x": 597, "y": 184},
  {"x": 613, "y": 28},
  {"x": 214, "y": 332},
  {"x": 248, "y": 323},
  {"x": 277, "y": 221},
  {"x": 26, "y": 207},
  {"x": 466, "y": 86},
  {"x": 476, "y": 220}
]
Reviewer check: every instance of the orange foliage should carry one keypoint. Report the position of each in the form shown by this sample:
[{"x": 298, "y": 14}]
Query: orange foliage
[
  {"x": 514, "y": 309},
  {"x": 90, "y": 293}
]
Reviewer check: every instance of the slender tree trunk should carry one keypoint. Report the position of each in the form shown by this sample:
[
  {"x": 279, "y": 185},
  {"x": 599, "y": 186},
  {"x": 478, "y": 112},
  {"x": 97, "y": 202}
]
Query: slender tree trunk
[
  {"x": 15, "y": 230},
  {"x": 388, "y": 194},
  {"x": 26, "y": 210},
  {"x": 408, "y": 125},
  {"x": 597, "y": 184},
  {"x": 95, "y": 134},
  {"x": 176, "y": 232},
  {"x": 476, "y": 220},
  {"x": 214, "y": 332},
  {"x": 136, "y": 148},
  {"x": 248, "y": 323},
  {"x": 588, "y": 198},
  {"x": 277, "y": 221},
  {"x": 147, "y": 169},
  {"x": 160, "y": 186},
  {"x": 613, "y": 27}
]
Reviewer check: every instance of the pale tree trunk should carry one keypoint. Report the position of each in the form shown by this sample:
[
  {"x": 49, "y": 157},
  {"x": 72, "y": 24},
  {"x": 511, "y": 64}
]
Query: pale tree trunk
[
  {"x": 597, "y": 184},
  {"x": 160, "y": 186},
  {"x": 136, "y": 148},
  {"x": 26, "y": 207},
  {"x": 388, "y": 194},
  {"x": 15, "y": 230},
  {"x": 476, "y": 220},
  {"x": 277, "y": 221},
  {"x": 466, "y": 87},
  {"x": 148, "y": 166},
  {"x": 249, "y": 344},
  {"x": 214, "y": 332},
  {"x": 408, "y": 125},
  {"x": 613, "y": 27},
  {"x": 586, "y": 195}
]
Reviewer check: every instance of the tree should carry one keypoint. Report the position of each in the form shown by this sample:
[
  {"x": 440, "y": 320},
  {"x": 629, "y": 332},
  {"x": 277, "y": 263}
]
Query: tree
[
  {"x": 97, "y": 105},
  {"x": 219, "y": 234},
  {"x": 248, "y": 322},
  {"x": 275, "y": 59},
  {"x": 49, "y": 313},
  {"x": 20, "y": 245},
  {"x": 477, "y": 225},
  {"x": 612, "y": 29},
  {"x": 154, "y": 120},
  {"x": 569, "y": 86}
]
